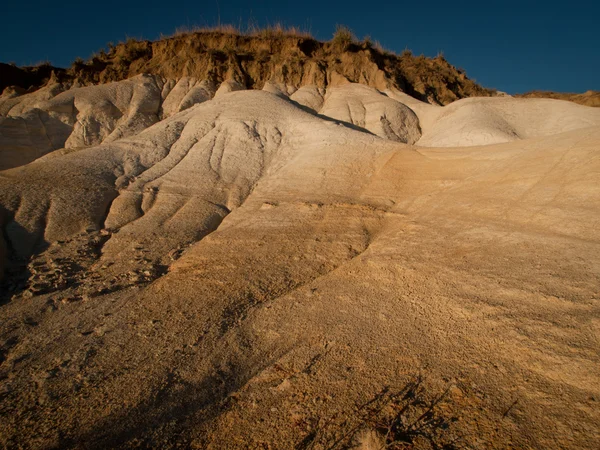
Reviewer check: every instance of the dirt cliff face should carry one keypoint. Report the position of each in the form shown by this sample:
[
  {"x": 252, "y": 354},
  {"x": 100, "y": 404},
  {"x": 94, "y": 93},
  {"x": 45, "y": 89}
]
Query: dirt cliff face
[
  {"x": 588, "y": 98},
  {"x": 294, "y": 60},
  {"x": 20, "y": 79}
]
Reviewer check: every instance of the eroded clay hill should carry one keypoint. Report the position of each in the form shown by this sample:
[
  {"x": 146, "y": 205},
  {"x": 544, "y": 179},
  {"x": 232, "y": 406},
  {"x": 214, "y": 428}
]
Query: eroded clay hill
[
  {"x": 189, "y": 263},
  {"x": 294, "y": 59}
]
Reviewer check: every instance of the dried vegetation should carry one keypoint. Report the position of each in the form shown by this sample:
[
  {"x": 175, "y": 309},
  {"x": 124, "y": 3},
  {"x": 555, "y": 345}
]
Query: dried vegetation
[{"x": 286, "y": 55}]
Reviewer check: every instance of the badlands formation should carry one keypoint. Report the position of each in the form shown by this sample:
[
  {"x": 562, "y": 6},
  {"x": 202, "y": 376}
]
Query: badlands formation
[{"x": 324, "y": 264}]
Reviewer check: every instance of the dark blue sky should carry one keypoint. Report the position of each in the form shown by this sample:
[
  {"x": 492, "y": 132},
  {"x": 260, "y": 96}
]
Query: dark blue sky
[{"x": 514, "y": 46}]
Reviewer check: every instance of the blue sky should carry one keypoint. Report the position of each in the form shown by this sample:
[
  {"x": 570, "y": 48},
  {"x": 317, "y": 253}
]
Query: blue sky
[{"x": 513, "y": 46}]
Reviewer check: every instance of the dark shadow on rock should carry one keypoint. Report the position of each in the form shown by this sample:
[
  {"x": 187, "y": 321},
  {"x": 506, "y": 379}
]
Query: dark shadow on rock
[
  {"x": 330, "y": 119},
  {"x": 15, "y": 271},
  {"x": 29, "y": 136}
]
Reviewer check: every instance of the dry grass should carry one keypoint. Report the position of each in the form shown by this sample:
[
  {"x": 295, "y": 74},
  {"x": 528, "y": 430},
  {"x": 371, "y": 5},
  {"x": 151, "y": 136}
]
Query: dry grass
[
  {"x": 222, "y": 29},
  {"x": 396, "y": 419},
  {"x": 429, "y": 79},
  {"x": 276, "y": 30},
  {"x": 78, "y": 63},
  {"x": 42, "y": 64},
  {"x": 589, "y": 98},
  {"x": 343, "y": 38}
]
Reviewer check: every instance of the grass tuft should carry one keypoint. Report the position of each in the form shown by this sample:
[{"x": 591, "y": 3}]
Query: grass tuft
[
  {"x": 343, "y": 37},
  {"x": 277, "y": 31}
]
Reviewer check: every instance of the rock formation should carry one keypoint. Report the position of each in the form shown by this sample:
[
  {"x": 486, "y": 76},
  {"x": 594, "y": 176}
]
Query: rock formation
[{"x": 203, "y": 250}]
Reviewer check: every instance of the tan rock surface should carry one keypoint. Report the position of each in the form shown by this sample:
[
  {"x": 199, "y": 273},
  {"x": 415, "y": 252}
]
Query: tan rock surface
[
  {"x": 369, "y": 109},
  {"x": 482, "y": 121},
  {"x": 246, "y": 274}
]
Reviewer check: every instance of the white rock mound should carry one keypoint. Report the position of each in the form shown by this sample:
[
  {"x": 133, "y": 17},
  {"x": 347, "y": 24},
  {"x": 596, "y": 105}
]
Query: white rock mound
[
  {"x": 229, "y": 86},
  {"x": 182, "y": 94},
  {"x": 68, "y": 116},
  {"x": 57, "y": 116},
  {"x": 279, "y": 89},
  {"x": 181, "y": 176},
  {"x": 367, "y": 108},
  {"x": 309, "y": 96},
  {"x": 484, "y": 121}
]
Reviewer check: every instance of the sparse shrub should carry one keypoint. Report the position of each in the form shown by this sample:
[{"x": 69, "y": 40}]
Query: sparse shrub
[
  {"x": 269, "y": 32},
  {"x": 397, "y": 419},
  {"x": 228, "y": 29},
  {"x": 78, "y": 64},
  {"x": 298, "y": 32},
  {"x": 377, "y": 46},
  {"x": 343, "y": 38},
  {"x": 42, "y": 64},
  {"x": 181, "y": 30}
]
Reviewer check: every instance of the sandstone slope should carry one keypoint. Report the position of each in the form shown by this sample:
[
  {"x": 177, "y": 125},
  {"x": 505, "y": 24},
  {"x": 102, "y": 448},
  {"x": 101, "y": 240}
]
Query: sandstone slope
[{"x": 226, "y": 268}]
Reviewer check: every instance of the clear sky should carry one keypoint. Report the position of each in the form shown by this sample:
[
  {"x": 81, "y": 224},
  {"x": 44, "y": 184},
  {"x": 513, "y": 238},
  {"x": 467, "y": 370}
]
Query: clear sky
[{"x": 513, "y": 46}]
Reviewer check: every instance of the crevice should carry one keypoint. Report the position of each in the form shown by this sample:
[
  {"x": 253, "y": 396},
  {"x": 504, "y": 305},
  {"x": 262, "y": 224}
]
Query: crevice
[{"x": 104, "y": 216}]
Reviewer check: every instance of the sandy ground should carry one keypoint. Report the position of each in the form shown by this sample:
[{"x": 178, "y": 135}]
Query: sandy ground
[{"x": 246, "y": 273}]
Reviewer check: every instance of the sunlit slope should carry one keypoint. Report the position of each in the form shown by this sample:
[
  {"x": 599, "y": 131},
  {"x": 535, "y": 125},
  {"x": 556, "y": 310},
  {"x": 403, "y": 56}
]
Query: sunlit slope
[
  {"x": 62, "y": 115},
  {"x": 301, "y": 265}
]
